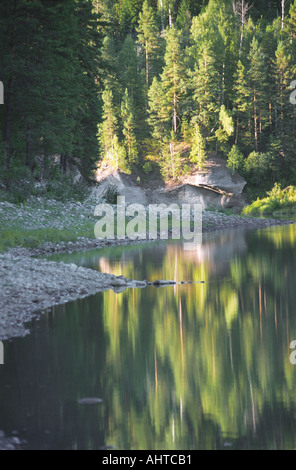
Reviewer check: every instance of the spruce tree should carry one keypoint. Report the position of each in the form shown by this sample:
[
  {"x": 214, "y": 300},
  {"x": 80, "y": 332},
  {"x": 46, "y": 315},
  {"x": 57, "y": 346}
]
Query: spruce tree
[
  {"x": 130, "y": 79},
  {"x": 128, "y": 122},
  {"x": 158, "y": 111},
  {"x": 198, "y": 154},
  {"x": 241, "y": 105},
  {"x": 148, "y": 36},
  {"x": 283, "y": 137},
  {"x": 51, "y": 74},
  {"x": 109, "y": 127},
  {"x": 257, "y": 82},
  {"x": 206, "y": 94},
  {"x": 173, "y": 76}
]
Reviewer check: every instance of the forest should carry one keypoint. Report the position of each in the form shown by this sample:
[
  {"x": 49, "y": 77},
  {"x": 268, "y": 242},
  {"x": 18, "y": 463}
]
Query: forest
[{"x": 145, "y": 86}]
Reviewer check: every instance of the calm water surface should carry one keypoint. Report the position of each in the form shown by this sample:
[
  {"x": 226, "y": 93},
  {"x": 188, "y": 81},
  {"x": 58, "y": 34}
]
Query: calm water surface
[{"x": 202, "y": 366}]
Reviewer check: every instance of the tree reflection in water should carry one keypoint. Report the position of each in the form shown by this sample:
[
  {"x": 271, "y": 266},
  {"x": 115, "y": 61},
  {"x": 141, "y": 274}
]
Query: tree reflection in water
[{"x": 181, "y": 367}]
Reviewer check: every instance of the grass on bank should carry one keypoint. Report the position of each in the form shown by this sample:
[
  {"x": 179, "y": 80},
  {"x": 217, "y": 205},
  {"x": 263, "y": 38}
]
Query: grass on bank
[
  {"x": 17, "y": 237},
  {"x": 279, "y": 202},
  {"x": 35, "y": 238}
]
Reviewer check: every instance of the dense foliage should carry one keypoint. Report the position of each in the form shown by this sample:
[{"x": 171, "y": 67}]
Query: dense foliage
[
  {"x": 143, "y": 83},
  {"x": 278, "y": 202}
]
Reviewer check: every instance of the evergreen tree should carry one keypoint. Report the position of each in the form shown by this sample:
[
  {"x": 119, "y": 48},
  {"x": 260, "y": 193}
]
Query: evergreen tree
[
  {"x": 184, "y": 22},
  {"x": 173, "y": 76},
  {"x": 242, "y": 105},
  {"x": 283, "y": 138},
  {"x": 51, "y": 74},
  {"x": 130, "y": 79},
  {"x": 226, "y": 128},
  {"x": 110, "y": 62},
  {"x": 257, "y": 82},
  {"x": 292, "y": 21},
  {"x": 127, "y": 116},
  {"x": 206, "y": 94},
  {"x": 109, "y": 127},
  {"x": 148, "y": 35},
  {"x": 235, "y": 159},
  {"x": 158, "y": 112},
  {"x": 282, "y": 77},
  {"x": 198, "y": 154}
]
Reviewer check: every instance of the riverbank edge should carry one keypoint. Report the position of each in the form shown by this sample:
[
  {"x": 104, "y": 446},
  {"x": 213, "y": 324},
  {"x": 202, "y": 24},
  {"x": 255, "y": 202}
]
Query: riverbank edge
[
  {"x": 212, "y": 222},
  {"x": 30, "y": 286}
]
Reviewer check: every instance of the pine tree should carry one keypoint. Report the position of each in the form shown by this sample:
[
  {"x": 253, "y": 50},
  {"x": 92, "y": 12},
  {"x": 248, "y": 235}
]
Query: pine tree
[
  {"x": 292, "y": 20},
  {"x": 127, "y": 116},
  {"x": 110, "y": 62},
  {"x": 184, "y": 22},
  {"x": 148, "y": 36},
  {"x": 206, "y": 94},
  {"x": 282, "y": 77},
  {"x": 130, "y": 79},
  {"x": 283, "y": 138},
  {"x": 198, "y": 154},
  {"x": 215, "y": 31},
  {"x": 126, "y": 15},
  {"x": 241, "y": 9},
  {"x": 241, "y": 104},
  {"x": 167, "y": 10},
  {"x": 87, "y": 53},
  {"x": 257, "y": 82},
  {"x": 51, "y": 75},
  {"x": 170, "y": 163},
  {"x": 226, "y": 128},
  {"x": 158, "y": 111},
  {"x": 109, "y": 127},
  {"x": 235, "y": 159},
  {"x": 173, "y": 76}
]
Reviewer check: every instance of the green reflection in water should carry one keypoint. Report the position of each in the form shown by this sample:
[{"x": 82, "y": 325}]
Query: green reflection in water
[{"x": 183, "y": 367}]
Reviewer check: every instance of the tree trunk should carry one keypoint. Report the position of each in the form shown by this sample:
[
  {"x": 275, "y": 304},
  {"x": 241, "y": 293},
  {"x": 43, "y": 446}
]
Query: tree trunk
[
  {"x": 172, "y": 159},
  {"x": 255, "y": 123},
  {"x": 170, "y": 18},
  {"x": 175, "y": 114},
  {"x": 242, "y": 29},
  {"x": 147, "y": 64},
  {"x": 161, "y": 14},
  {"x": 237, "y": 129}
]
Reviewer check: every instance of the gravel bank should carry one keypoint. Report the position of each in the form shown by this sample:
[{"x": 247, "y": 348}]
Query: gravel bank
[
  {"x": 30, "y": 285},
  {"x": 79, "y": 218}
]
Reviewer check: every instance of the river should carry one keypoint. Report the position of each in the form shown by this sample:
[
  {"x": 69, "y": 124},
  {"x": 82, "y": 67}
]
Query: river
[{"x": 194, "y": 366}]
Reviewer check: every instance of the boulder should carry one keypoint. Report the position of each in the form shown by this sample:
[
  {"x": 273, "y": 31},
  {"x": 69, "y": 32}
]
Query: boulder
[
  {"x": 219, "y": 176},
  {"x": 133, "y": 194}
]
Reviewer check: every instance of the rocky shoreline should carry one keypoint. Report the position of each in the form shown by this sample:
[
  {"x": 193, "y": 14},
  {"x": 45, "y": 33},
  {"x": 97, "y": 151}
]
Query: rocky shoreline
[
  {"x": 212, "y": 221},
  {"x": 29, "y": 285}
]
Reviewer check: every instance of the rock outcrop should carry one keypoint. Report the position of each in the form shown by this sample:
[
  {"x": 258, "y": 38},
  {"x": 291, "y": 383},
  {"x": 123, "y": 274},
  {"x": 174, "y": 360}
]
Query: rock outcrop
[
  {"x": 215, "y": 187},
  {"x": 132, "y": 192}
]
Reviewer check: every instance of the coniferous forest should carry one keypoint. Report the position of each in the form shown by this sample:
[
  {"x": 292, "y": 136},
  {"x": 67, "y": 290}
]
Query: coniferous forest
[{"x": 140, "y": 85}]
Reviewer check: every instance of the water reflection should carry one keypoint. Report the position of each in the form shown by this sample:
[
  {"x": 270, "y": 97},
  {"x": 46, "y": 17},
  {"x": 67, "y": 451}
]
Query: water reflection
[{"x": 183, "y": 367}]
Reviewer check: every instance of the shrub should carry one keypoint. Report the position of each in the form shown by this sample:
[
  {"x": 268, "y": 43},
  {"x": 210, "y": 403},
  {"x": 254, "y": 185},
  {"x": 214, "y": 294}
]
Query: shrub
[
  {"x": 111, "y": 194},
  {"x": 278, "y": 201},
  {"x": 256, "y": 168},
  {"x": 235, "y": 159}
]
